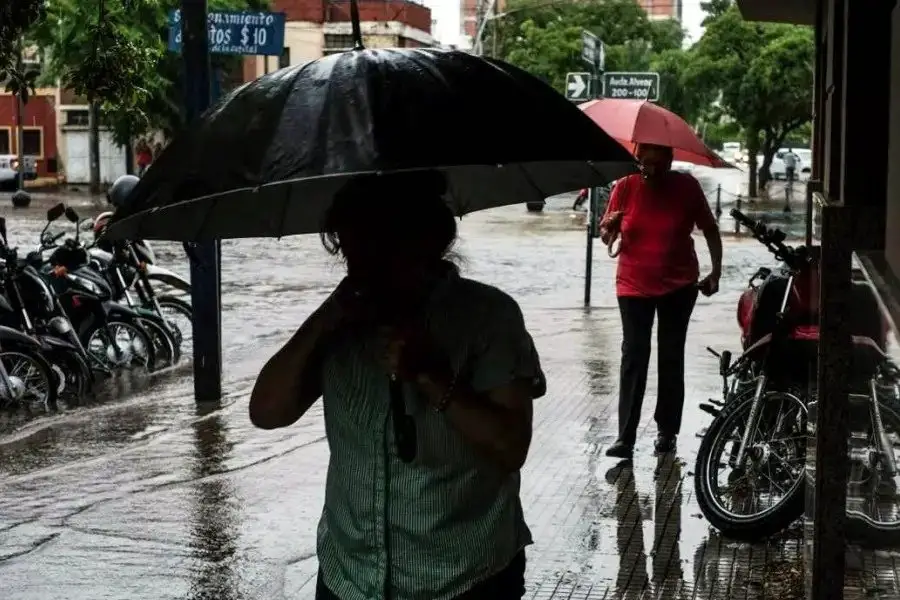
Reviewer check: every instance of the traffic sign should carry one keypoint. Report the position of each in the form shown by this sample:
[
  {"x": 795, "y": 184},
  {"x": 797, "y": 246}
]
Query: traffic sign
[
  {"x": 253, "y": 33},
  {"x": 578, "y": 86},
  {"x": 631, "y": 86},
  {"x": 592, "y": 50}
]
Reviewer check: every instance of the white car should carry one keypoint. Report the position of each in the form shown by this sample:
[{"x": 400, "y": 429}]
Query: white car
[
  {"x": 732, "y": 152},
  {"x": 9, "y": 170},
  {"x": 778, "y": 170}
]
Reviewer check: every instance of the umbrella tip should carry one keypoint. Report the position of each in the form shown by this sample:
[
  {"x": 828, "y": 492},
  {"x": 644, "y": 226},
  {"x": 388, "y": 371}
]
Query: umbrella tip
[{"x": 354, "y": 23}]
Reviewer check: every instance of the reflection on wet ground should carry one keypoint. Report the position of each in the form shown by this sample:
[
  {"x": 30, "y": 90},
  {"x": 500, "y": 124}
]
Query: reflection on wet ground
[{"x": 153, "y": 497}]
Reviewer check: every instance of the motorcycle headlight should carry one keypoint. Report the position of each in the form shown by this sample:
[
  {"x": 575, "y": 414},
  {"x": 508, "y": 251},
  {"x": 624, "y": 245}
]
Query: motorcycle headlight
[{"x": 60, "y": 325}]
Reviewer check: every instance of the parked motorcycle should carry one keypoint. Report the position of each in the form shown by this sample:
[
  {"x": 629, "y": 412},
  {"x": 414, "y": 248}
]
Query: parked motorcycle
[
  {"x": 129, "y": 270},
  {"x": 26, "y": 377},
  {"x": 759, "y": 430},
  {"x": 27, "y": 305},
  {"x": 117, "y": 335}
]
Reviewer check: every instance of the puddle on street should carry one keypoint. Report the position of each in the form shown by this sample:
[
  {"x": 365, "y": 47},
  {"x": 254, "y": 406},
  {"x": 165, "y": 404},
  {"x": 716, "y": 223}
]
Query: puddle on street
[{"x": 152, "y": 497}]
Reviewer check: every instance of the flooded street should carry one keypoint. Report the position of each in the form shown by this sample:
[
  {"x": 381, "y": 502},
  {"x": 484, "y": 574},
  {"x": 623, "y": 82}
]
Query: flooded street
[{"x": 154, "y": 498}]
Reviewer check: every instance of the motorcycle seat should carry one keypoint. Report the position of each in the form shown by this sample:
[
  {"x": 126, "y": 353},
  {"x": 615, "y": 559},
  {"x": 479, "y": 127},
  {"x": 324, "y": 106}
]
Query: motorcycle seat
[{"x": 803, "y": 343}]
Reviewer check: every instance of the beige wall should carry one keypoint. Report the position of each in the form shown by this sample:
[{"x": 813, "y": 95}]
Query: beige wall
[
  {"x": 305, "y": 39},
  {"x": 892, "y": 238}
]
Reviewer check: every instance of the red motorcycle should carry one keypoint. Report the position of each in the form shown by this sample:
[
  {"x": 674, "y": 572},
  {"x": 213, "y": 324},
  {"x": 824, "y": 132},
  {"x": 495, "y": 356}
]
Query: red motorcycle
[{"x": 759, "y": 431}]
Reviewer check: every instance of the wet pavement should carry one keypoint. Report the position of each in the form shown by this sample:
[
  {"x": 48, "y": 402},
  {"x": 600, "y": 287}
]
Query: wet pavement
[{"x": 153, "y": 497}]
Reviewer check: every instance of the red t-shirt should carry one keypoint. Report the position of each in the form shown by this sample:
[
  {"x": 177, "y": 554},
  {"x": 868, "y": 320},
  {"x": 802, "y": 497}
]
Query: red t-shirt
[{"x": 657, "y": 254}]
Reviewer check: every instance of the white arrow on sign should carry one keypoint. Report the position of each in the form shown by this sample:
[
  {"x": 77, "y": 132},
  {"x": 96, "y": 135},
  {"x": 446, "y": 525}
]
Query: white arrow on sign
[{"x": 576, "y": 85}]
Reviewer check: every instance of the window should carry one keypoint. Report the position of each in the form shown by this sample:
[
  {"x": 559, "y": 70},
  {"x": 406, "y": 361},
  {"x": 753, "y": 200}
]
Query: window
[
  {"x": 5, "y": 145},
  {"x": 77, "y": 118},
  {"x": 284, "y": 60},
  {"x": 33, "y": 142},
  {"x": 337, "y": 43}
]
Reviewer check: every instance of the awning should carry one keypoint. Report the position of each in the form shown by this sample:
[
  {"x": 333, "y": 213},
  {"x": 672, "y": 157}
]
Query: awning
[{"x": 800, "y": 12}]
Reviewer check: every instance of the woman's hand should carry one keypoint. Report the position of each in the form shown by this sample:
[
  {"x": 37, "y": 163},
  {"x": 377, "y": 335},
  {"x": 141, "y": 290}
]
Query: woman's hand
[
  {"x": 709, "y": 285},
  {"x": 343, "y": 305},
  {"x": 611, "y": 226},
  {"x": 411, "y": 355}
]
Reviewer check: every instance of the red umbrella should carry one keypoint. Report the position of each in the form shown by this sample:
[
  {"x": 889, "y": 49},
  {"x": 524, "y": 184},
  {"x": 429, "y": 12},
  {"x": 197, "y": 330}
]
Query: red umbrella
[{"x": 633, "y": 122}]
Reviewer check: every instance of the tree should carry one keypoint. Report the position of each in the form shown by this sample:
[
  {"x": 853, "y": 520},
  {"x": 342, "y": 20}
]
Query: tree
[
  {"x": 113, "y": 53},
  {"x": 763, "y": 74},
  {"x": 545, "y": 40},
  {"x": 16, "y": 16}
]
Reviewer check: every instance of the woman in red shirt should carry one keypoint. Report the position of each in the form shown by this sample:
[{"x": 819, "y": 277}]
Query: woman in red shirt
[
  {"x": 658, "y": 275},
  {"x": 144, "y": 158}
]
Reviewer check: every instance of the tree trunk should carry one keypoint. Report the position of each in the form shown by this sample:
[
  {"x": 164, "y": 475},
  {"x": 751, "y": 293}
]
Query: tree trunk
[
  {"x": 94, "y": 146},
  {"x": 129, "y": 155},
  {"x": 20, "y": 140},
  {"x": 752, "y": 150}
]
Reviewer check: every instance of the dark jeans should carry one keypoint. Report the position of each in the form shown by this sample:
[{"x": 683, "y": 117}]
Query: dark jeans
[
  {"x": 508, "y": 584},
  {"x": 674, "y": 312}
]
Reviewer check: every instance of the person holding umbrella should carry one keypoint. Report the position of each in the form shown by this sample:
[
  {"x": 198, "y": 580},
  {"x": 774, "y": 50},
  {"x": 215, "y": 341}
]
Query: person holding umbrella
[
  {"x": 427, "y": 380},
  {"x": 653, "y": 214}
]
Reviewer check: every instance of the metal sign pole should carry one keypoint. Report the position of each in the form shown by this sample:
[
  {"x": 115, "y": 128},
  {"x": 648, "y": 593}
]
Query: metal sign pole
[
  {"x": 196, "y": 34},
  {"x": 205, "y": 263},
  {"x": 593, "y": 195}
]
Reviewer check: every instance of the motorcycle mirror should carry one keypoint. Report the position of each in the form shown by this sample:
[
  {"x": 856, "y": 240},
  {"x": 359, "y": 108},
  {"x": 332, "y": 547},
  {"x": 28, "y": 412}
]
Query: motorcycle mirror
[
  {"x": 56, "y": 212},
  {"x": 71, "y": 215}
]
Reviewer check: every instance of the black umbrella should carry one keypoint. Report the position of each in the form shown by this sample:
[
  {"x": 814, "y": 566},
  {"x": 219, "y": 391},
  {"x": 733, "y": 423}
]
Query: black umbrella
[{"x": 268, "y": 159}]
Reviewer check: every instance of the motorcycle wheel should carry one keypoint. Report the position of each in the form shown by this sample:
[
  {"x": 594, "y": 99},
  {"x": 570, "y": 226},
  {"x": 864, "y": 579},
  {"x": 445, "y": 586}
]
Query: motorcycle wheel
[
  {"x": 884, "y": 531},
  {"x": 74, "y": 377},
  {"x": 728, "y": 427},
  {"x": 180, "y": 316},
  {"x": 136, "y": 348},
  {"x": 33, "y": 379},
  {"x": 165, "y": 348}
]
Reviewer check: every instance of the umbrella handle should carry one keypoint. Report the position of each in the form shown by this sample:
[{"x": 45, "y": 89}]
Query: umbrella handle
[{"x": 614, "y": 252}]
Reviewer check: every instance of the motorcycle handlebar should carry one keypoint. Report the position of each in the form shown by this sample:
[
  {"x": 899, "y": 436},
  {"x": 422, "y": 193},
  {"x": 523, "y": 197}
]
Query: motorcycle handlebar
[
  {"x": 772, "y": 239},
  {"x": 744, "y": 220}
]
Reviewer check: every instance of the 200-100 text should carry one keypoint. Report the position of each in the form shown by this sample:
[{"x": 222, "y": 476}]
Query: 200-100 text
[{"x": 632, "y": 93}]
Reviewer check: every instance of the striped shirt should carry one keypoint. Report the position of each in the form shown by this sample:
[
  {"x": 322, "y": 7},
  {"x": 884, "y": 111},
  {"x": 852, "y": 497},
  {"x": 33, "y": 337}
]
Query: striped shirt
[{"x": 433, "y": 528}]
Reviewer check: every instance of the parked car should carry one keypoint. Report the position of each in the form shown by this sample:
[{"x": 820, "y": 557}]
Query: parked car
[
  {"x": 733, "y": 152},
  {"x": 9, "y": 170}
]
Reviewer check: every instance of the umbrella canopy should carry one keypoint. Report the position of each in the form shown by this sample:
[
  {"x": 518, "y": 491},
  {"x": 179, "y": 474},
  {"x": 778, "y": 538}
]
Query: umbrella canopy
[
  {"x": 634, "y": 122},
  {"x": 268, "y": 159}
]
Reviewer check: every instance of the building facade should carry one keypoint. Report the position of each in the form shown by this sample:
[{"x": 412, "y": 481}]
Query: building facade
[
  {"x": 316, "y": 28},
  {"x": 39, "y": 129},
  {"x": 663, "y": 9},
  {"x": 855, "y": 192},
  {"x": 470, "y": 13}
]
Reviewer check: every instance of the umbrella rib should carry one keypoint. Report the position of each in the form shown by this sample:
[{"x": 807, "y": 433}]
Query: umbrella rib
[
  {"x": 206, "y": 218},
  {"x": 284, "y": 211},
  {"x": 531, "y": 181}
]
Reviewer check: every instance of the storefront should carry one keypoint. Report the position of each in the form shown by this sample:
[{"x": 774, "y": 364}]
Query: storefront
[{"x": 856, "y": 195}]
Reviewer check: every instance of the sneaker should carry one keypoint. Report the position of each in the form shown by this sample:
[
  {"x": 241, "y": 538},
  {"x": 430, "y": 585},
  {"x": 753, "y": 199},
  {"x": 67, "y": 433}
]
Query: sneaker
[
  {"x": 664, "y": 444},
  {"x": 620, "y": 450}
]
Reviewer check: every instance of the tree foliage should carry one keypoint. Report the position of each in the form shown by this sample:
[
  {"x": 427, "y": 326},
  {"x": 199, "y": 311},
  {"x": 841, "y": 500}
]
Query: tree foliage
[
  {"x": 545, "y": 39},
  {"x": 114, "y": 53},
  {"x": 763, "y": 75},
  {"x": 16, "y": 16}
]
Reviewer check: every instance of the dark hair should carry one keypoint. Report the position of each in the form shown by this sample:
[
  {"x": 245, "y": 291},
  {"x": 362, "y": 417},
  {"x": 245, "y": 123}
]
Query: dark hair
[
  {"x": 668, "y": 151},
  {"x": 406, "y": 209}
]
